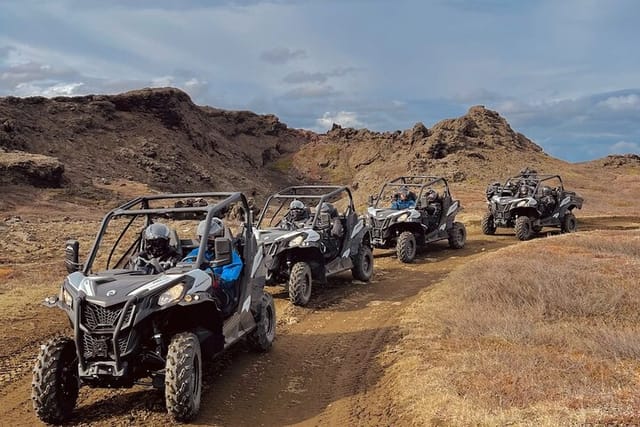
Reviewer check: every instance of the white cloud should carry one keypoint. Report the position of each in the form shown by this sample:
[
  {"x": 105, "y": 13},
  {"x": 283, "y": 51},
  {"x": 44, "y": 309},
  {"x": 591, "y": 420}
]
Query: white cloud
[
  {"x": 619, "y": 103},
  {"x": 624, "y": 147},
  {"x": 59, "y": 89},
  {"x": 342, "y": 118}
]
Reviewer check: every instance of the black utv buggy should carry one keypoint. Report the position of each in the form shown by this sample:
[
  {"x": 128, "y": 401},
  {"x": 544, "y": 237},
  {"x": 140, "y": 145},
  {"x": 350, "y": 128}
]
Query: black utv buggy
[
  {"x": 527, "y": 202},
  {"x": 324, "y": 237},
  {"x": 430, "y": 218},
  {"x": 135, "y": 328}
]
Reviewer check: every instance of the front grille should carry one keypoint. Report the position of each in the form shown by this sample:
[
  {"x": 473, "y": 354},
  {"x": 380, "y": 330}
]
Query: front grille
[
  {"x": 97, "y": 346},
  {"x": 101, "y": 346},
  {"x": 98, "y": 317}
]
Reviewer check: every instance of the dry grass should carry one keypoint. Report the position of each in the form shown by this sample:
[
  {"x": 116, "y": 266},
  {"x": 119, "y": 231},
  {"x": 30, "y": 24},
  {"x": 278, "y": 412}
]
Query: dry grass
[{"x": 544, "y": 333}]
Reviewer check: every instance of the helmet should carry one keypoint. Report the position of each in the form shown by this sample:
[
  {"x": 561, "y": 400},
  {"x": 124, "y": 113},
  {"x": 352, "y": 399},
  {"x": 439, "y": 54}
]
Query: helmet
[
  {"x": 156, "y": 238},
  {"x": 404, "y": 191},
  {"x": 546, "y": 191},
  {"x": 215, "y": 230},
  {"x": 296, "y": 204},
  {"x": 298, "y": 210},
  {"x": 432, "y": 196},
  {"x": 328, "y": 208},
  {"x": 523, "y": 191}
]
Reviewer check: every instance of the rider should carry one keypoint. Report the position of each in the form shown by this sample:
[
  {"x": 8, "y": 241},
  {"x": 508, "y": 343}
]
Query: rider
[
  {"x": 433, "y": 207},
  {"x": 547, "y": 200},
  {"x": 226, "y": 276},
  {"x": 297, "y": 212},
  {"x": 402, "y": 199},
  {"x": 157, "y": 255}
]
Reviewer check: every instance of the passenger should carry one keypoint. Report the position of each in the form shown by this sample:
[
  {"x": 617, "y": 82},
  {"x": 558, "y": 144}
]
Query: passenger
[
  {"x": 434, "y": 204},
  {"x": 226, "y": 276},
  {"x": 337, "y": 230},
  {"x": 547, "y": 200},
  {"x": 402, "y": 200},
  {"x": 158, "y": 255}
]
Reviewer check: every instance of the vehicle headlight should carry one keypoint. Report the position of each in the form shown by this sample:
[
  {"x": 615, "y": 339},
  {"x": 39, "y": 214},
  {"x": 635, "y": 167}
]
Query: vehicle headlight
[
  {"x": 402, "y": 217},
  {"x": 66, "y": 297},
  {"x": 296, "y": 241},
  {"x": 172, "y": 294}
]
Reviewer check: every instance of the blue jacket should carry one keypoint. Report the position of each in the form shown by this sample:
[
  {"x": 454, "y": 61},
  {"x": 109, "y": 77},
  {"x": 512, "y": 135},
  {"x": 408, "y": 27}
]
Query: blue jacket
[
  {"x": 227, "y": 273},
  {"x": 403, "y": 204}
]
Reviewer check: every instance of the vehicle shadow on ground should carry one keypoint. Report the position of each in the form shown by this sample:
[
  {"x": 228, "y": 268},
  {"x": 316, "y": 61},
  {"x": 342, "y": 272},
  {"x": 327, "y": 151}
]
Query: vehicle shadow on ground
[
  {"x": 298, "y": 379},
  {"x": 392, "y": 281}
]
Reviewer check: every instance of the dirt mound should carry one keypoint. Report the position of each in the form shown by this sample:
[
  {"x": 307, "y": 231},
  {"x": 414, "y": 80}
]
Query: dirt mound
[
  {"x": 473, "y": 148},
  {"x": 18, "y": 167},
  {"x": 154, "y": 136}
]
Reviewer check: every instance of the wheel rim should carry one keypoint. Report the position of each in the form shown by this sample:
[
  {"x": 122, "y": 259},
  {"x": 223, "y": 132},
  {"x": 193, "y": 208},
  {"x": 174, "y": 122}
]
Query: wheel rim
[
  {"x": 306, "y": 291},
  {"x": 270, "y": 323},
  {"x": 196, "y": 375},
  {"x": 412, "y": 248},
  {"x": 367, "y": 264}
]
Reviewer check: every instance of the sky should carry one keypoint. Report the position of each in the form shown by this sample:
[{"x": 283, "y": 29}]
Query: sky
[{"x": 564, "y": 73}]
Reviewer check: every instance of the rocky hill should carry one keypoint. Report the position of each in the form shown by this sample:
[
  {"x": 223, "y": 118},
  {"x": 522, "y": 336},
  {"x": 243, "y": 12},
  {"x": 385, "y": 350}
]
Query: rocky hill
[
  {"x": 475, "y": 148},
  {"x": 160, "y": 139},
  {"x": 154, "y": 136}
]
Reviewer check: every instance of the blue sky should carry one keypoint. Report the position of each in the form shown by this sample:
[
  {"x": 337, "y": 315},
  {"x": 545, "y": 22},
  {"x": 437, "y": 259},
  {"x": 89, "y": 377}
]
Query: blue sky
[{"x": 564, "y": 73}]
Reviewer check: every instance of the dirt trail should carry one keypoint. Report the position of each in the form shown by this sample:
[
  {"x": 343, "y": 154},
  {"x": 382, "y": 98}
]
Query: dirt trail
[{"x": 324, "y": 369}]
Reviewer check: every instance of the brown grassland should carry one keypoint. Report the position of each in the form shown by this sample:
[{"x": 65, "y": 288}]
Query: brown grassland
[{"x": 543, "y": 333}]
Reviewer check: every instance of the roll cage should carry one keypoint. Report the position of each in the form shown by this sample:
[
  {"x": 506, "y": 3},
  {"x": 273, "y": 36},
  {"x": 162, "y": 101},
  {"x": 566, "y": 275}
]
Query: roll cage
[
  {"x": 141, "y": 206},
  {"x": 323, "y": 193},
  {"x": 417, "y": 182},
  {"x": 533, "y": 181}
]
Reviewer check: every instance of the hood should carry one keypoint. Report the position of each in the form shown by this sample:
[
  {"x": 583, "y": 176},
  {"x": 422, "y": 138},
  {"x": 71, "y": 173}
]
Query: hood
[
  {"x": 383, "y": 213},
  {"x": 114, "y": 287}
]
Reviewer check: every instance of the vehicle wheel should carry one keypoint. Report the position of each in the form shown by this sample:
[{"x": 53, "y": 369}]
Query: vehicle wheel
[
  {"x": 457, "y": 236},
  {"x": 183, "y": 377},
  {"x": 406, "y": 247},
  {"x": 300, "y": 284},
  {"x": 569, "y": 223},
  {"x": 55, "y": 385},
  {"x": 488, "y": 225},
  {"x": 261, "y": 338},
  {"x": 523, "y": 228},
  {"x": 363, "y": 264}
]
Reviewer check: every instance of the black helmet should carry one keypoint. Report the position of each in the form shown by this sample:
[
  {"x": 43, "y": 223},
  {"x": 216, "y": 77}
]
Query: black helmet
[
  {"x": 546, "y": 191},
  {"x": 328, "y": 208},
  {"x": 156, "y": 238},
  {"x": 432, "y": 195}
]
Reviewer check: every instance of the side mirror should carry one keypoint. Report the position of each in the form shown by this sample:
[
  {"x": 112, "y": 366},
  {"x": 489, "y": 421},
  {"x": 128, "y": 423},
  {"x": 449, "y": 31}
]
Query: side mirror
[
  {"x": 223, "y": 252},
  {"x": 71, "y": 250}
]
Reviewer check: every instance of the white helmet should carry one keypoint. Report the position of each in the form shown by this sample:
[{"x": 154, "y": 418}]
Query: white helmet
[
  {"x": 215, "y": 230},
  {"x": 296, "y": 204}
]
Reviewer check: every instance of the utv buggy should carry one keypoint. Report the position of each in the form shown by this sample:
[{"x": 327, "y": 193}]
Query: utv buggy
[
  {"x": 431, "y": 216},
  {"x": 135, "y": 328},
  {"x": 528, "y": 202},
  {"x": 325, "y": 237}
]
